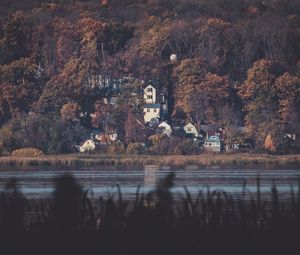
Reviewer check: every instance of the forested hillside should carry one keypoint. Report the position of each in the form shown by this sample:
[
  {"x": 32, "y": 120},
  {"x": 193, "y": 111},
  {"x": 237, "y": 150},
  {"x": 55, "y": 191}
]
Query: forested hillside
[{"x": 237, "y": 64}]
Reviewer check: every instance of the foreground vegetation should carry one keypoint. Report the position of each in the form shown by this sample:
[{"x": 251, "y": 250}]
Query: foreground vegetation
[
  {"x": 203, "y": 160},
  {"x": 153, "y": 223}
]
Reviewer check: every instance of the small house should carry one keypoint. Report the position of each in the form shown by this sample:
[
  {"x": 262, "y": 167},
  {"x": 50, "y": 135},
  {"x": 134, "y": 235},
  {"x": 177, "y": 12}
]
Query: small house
[
  {"x": 151, "y": 111},
  {"x": 88, "y": 145},
  {"x": 165, "y": 128},
  {"x": 213, "y": 143},
  {"x": 190, "y": 130},
  {"x": 212, "y": 130},
  {"x": 113, "y": 136}
]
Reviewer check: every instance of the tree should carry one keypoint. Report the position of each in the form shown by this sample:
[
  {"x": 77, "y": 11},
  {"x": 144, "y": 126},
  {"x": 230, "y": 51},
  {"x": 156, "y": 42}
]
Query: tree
[
  {"x": 70, "y": 112},
  {"x": 20, "y": 88},
  {"x": 135, "y": 131},
  {"x": 201, "y": 95},
  {"x": 16, "y": 40},
  {"x": 260, "y": 97},
  {"x": 213, "y": 43},
  {"x": 11, "y": 137},
  {"x": 71, "y": 84},
  {"x": 50, "y": 135},
  {"x": 288, "y": 89},
  {"x": 216, "y": 93},
  {"x": 100, "y": 116},
  {"x": 115, "y": 36},
  {"x": 188, "y": 75}
]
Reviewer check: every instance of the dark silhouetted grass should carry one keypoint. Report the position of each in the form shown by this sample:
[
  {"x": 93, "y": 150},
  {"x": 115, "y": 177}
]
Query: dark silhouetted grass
[{"x": 213, "y": 222}]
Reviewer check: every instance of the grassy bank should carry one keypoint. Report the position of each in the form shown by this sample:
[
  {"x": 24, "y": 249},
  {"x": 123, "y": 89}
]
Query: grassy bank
[{"x": 204, "y": 160}]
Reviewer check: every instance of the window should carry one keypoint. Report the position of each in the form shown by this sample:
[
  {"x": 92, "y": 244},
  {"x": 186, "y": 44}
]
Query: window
[
  {"x": 155, "y": 109},
  {"x": 149, "y": 97},
  {"x": 148, "y": 110},
  {"x": 209, "y": 144},
  {"x": 189, "y": 129},
  {"x": 149, "y": 89}
]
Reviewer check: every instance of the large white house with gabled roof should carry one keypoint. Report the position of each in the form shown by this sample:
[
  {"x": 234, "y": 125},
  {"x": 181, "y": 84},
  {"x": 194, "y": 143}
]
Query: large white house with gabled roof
[
  {"x": 150, "y": 94},
  {"x": 152, "y": 109},
  {"x": 156, "y": 104}
]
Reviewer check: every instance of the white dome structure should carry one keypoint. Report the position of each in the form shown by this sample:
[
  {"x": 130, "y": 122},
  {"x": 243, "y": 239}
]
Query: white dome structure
[{"x": 173, "y": 57}]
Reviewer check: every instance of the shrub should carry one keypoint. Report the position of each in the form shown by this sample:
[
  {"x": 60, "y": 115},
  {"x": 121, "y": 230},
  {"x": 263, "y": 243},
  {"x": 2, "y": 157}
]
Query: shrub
[
  {"x": 49, "y": 134},
  {"x": 185, "y": 147},
  {"x": 136, "y": 148},
  {"x": 174, "y": 145},
  {"x": 116, "y": 148},
  {"x": 27, "y": 152},
  {"x": 159, "y": 144},
  {"x": 10, "y": 136}
]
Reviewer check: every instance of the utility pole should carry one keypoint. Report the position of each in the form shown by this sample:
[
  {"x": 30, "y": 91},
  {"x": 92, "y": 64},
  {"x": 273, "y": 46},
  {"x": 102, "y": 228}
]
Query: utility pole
[{"x": 103, "y": 57}]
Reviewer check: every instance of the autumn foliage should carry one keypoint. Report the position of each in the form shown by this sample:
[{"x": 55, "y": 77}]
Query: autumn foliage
[{"x": 237, "y": 62}]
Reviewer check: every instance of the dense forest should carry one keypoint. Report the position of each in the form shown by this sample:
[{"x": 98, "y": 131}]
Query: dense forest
[{"x": 237, "y": 64}]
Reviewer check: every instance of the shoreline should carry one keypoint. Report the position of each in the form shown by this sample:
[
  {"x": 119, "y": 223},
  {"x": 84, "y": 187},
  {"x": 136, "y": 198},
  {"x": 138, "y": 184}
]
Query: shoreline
[{"x": 203, "y": 160}]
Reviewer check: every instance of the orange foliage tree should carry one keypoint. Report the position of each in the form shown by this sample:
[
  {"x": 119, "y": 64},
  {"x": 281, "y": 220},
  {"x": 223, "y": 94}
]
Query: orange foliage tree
[{"x": 262, "y": 103}]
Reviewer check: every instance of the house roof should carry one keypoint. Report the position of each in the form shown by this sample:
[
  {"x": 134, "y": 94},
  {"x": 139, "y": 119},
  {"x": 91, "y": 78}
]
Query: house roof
[
  {"x": 164, "y": 124},
  {"x": 213, "y": 139},
  {"x": 152, "y": 106},
  {"x": 86, "y": 140},
  {"x": 153, "y": 83},
  {"x": 190, "y": 124},
  {"x": 207, "y": 128},
  {"x": 149, "y": 85}
]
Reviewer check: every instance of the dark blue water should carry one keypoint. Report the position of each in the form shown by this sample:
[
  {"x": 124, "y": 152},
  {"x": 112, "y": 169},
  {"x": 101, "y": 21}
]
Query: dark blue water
[{"x": 38, "y": 182}]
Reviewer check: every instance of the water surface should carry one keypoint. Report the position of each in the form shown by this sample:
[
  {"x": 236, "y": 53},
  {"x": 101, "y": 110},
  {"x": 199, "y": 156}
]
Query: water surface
[{"x": 38, "y": 182}]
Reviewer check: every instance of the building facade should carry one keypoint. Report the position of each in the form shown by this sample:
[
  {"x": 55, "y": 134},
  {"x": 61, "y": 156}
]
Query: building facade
[
  {"x": 151, "y": 111},
  {"x": 150, "y": 94},
  {"x": 190, "y": 129},
  {"x": 213, "y": 144}
]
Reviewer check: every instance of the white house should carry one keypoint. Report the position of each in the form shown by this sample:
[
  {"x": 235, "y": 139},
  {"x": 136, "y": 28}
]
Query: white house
[
  {"x": 166, "y": 128},
  {"x": 150, "y": 94},
  {"x": 190, "y": 129},
  {"x": 151, "y": 111},
  {"x": 113, "y": 137},
  {"x": 88, "y": 145},
  {"x": 213, "y": 143}
]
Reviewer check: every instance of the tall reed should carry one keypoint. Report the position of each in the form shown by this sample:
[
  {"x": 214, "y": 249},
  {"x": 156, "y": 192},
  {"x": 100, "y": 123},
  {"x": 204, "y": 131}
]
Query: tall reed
[{"x": 159, "y": 221}]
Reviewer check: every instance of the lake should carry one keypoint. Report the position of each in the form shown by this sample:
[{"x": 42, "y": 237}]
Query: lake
[{"x": 37, "y": 183}]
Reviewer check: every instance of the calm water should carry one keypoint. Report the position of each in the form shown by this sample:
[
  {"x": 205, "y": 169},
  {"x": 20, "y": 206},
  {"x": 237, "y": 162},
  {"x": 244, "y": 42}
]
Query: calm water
[{"x": 38, "y": 183}]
